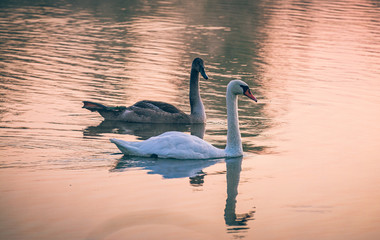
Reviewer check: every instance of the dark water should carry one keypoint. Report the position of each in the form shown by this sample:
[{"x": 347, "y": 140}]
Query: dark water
[{"x": 312, "y": 141}]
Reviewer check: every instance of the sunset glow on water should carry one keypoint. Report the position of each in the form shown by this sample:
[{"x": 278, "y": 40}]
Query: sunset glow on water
[{"x": 311, "y": 142}]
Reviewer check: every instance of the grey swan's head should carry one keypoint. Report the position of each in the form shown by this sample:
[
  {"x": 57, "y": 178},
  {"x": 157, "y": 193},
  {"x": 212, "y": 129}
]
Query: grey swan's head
[{"x": 198, "y": 66}]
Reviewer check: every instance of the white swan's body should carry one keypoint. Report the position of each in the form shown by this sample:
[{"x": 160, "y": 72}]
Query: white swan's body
[
  {"x": 172, "y": 144},
  {"x": 184, "y": 146},
  {"x": 147, "y": 111}
]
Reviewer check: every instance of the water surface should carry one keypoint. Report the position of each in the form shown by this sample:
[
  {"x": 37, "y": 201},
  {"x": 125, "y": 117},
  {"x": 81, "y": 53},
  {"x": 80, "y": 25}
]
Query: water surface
[{"x": 310, "y": 169}]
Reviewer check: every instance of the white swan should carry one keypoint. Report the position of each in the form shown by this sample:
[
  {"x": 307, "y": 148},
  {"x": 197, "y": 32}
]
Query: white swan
[
  {"x": 184, "y": 146},
  {"x": 159, "y": 112}
]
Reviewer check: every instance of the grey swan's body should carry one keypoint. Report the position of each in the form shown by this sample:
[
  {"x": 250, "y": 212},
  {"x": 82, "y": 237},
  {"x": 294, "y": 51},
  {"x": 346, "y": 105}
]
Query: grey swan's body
[
  {"x": 184, "y": 146},
  {"x": 147, "y": 111}
]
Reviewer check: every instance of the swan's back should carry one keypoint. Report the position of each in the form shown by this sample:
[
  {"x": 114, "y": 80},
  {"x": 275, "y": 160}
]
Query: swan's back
[
  {"x": 157, "y": 106},
  {"x": 171, "y": 145},
  {"x": 154, "y": 112}
]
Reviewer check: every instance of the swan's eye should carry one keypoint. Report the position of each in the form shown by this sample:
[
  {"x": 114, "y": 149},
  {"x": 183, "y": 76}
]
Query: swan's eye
[{"x": 244, "y": 87}]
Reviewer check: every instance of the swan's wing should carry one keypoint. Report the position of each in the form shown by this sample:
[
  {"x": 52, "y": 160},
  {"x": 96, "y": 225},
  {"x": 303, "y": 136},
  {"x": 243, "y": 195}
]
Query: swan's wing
[
  {"x": 152, "y": 111},
  {"x": 171, "y": 145},
  {"x": 158, "y": 106}
]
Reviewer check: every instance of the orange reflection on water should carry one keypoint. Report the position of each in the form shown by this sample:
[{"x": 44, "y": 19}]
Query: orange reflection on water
[
  {"x": 152, "y": 62},
  {"x": 322, "y": 69},
  {"x": 317, "y": 79}
]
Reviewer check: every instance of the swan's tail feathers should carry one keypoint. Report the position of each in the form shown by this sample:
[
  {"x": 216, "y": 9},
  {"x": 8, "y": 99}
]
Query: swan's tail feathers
[
  {"x": 125, "y": 147},
  {"x": 109, "y": 113},
  {"x": 92, "y": 106}
]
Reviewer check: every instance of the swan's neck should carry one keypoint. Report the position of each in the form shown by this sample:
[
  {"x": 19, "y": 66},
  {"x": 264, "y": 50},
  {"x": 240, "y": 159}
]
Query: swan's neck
[
  {"x": 198, "y": 114},
  {"x": 234, "y": 147}
]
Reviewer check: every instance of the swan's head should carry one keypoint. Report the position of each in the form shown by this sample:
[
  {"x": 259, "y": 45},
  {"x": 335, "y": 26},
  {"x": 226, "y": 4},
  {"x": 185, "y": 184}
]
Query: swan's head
[
  {"x": 239, "y": 87},
  {"x": 198, "y": 65}
]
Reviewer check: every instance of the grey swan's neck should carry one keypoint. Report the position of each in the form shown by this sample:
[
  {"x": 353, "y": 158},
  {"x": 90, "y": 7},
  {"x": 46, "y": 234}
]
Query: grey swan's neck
[
  {"x": 234, "y": 147},
  {"x": 198, "y": 114}
]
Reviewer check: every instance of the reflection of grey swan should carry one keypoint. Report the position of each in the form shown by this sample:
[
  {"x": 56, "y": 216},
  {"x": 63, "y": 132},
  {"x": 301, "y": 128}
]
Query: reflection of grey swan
[
  {"x": 159, "y": 112},
  {"x": 184, "y": 146},
  {"x": 237, "y": 222},
  {"x": 143, "y": 130}
]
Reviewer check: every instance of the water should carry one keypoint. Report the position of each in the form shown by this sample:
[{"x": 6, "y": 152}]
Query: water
[{"x": 310, "y": 169}]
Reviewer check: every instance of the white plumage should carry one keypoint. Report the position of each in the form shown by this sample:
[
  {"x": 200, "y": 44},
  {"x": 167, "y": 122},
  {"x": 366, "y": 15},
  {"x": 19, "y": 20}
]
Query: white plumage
[{"x": 170, "y": 145}]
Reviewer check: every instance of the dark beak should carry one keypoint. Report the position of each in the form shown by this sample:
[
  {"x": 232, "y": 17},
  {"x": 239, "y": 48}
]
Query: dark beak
[
  {"x": 203, "y": 73},
  {"x": 250, "y": 95}
]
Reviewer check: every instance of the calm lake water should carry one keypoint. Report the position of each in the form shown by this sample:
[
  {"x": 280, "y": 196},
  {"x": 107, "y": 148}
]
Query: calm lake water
[{"x": 312, "y": 142}]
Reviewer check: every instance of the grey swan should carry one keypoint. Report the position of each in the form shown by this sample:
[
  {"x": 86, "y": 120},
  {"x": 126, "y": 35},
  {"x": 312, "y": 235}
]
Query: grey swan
[{"x": 147, "y": 111}]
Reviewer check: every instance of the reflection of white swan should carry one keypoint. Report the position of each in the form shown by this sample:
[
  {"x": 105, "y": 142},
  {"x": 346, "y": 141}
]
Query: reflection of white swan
[
  {"x": 183, "y": 146},
  {"x": 123, "y": 224},
  {"x": 159, "y": 112},
  {"x": 237, "y": 222},
  {"x": 167, "y": 168}
]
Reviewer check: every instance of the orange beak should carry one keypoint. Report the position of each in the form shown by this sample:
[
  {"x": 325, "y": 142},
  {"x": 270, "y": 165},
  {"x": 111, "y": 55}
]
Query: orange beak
[{"x": 250, "y": 95}]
